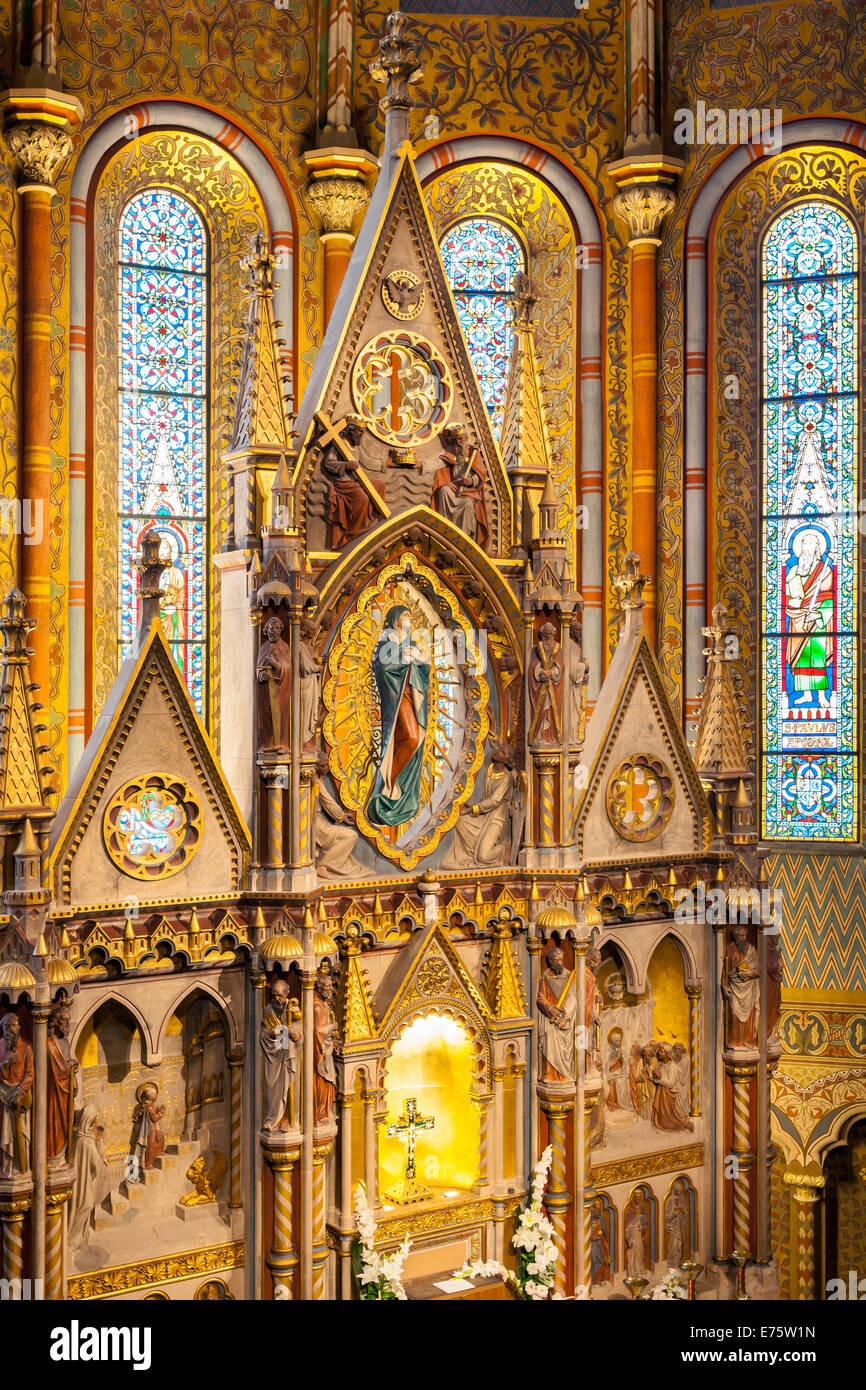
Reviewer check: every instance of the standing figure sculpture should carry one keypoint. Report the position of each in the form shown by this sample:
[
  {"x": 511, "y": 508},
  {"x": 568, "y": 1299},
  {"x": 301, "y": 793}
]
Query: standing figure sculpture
[
  {"x": 91, "y": 1174},
  {"x": 274, "y": 675},
  {"x": 60, "y": 1081},
  {"x": 677, "y": 1222},
  {"x": 557, "y": 1008},
  {"x": 636, "y": 1228},
  {"x": 741, "y": 990},
  {"x": 149, "y": 1140},
  {"x": 311, "y": 686},
  {"x": 324, "y": 1028},
  {"x": 458, "y": 487},
  {"x": 280, "y": 1040},
  {"x": 544, "y": 681},
  {"x": 16, "y": 1097}
]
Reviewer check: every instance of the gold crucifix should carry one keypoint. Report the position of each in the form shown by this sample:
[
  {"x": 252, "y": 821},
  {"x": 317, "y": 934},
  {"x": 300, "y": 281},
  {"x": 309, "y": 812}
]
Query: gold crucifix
[
  {"x": 333, "y": 434},
  {"x": 406, "y": 1129}
]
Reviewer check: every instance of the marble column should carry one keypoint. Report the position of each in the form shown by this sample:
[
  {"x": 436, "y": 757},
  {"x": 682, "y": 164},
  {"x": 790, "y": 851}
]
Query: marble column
[
  {"x": 321, "y": 1153},
  {"x": 807, "y": 1190},
  {"x": 558, "y": 1197},
  {"x": 281, "y": 1259},
  {"x": 339, "y": 194},
  {"x": 235, "y": 1060},
  {"x": 694, "y": 997},
  {"x": 37, "y": 137},
  {"x": 644, "y": 200}
]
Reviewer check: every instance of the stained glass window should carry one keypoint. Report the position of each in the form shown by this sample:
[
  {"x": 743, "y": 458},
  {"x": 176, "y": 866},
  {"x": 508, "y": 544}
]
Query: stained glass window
[
  {"x": 481, "y": 258},
  {"x": 162, "y": 296},
  {"x": 810, "y": 634}
]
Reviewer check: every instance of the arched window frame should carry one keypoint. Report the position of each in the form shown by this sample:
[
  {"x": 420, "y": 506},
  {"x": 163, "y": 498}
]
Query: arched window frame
[
  {"x": 835, "y": 817},
  {"x": 493, "y": 385},
  {"x": 191, "y": 525}
]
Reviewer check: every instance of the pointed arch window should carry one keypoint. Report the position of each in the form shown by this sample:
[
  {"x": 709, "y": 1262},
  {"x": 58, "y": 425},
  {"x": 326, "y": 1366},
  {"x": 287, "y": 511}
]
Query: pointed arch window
[
  {"x": 810, "y": 648},
  {"x": 163, "y": 389},
  {"x": 481, "y": 258}
]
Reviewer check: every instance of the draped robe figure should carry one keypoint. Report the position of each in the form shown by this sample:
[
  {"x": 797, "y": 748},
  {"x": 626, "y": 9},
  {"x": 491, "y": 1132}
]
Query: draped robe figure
[
  {"x": 458, "y": 487},
  {"x": 774, "y": 987},
  {"x": 741, "y": 988},
  {"x": 333, "y": 838},
  {"x": 91, "y": 1175},
  {"x": 351, "y": 511},
  {"x": 149, "y": 1138},
  {"x": 324, "y": 1027},
  {"x": 280, "y": 1039},
  {"x": 636, "y": 1228},
  {"x": 311, "y": 686},
  {"x": 60, "y": 1083},
  {"x": 482, "y": 835},
  {"x": 402, "y": 679},
  {"x": 666, "y": 1113},
  {"x": 809, "y": 610},
  {"x": 557, "y": 1008},
  {"x": 681, "y": 1061},
  {"x": 599, "y": 1246},
  {"x": 16, "y": 1097},
  {"x": 677, "y": 1226},
  {"x": 544, "y": 682},
  {"x": 274, "y": 675}
]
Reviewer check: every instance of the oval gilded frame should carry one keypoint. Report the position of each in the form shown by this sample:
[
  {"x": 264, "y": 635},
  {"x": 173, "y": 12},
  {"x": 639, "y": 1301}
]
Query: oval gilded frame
[{"x": 476, "y": 694}]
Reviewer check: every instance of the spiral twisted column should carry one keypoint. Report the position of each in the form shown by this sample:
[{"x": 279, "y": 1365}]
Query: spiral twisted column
[
  {"x": 281, "y": 1259},
  {"x": 54, "y": 1204},
  {"x": 320, "y": 1246},
  {"x": 12, "y": 1217},
  {"x": 558, "y": 1198},
  {"x": 742, "y": 1079},
  {"x": 694, "y": 995},
  {"x": 235, "y": 1060}
]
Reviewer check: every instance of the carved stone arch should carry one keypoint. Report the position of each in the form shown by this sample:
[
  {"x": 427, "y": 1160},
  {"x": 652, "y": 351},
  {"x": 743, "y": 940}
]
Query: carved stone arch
[
  {"x": 91, "y": 1002},
  {"x": 691, "y": 971},
  {"x": 438, "y": 535},
  {"x": 635, "y": 982},
  {"x": 837, "y": 1131},
  {"x": 234, "y": 1033},
  {"x": 451, "y": 1007}
]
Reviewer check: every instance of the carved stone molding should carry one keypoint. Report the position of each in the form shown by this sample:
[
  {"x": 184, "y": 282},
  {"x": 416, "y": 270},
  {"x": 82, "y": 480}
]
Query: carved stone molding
[
  {"x": 167, "y": 1270},
  {"x": 38, "y": 150}
]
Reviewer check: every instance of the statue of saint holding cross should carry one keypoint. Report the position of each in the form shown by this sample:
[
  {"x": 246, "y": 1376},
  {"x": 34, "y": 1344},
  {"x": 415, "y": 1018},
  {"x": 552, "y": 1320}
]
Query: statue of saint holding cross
[
  {"x": 355, "y": 502},
  {"x": 406, "y": 1129}
]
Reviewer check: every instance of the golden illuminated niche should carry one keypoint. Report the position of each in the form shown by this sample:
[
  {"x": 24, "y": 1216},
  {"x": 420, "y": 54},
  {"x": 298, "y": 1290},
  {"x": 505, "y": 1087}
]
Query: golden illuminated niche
[
  {"x": 665, "y": 986},
  {"x": 152, "y": 826},
  {"x": 457, "y": 708},
  {"x": 640, "y": 797},
  {"x": 433, "y": 1061}
]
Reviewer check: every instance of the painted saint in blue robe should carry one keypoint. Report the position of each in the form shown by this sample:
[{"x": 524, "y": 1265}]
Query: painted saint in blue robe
[{"x": 403, "y": 680}]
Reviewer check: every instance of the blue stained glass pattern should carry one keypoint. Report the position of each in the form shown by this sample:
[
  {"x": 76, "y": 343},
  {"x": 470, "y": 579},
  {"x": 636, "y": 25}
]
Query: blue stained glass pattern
[
  {"x": 481, "y": 258},
  {"x": 162, "y": 485},
  {"x": 810, "y": 659}
]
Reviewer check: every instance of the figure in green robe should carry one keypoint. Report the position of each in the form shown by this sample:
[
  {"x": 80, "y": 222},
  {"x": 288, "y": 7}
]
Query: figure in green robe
[{"x": 403, "y": 680}]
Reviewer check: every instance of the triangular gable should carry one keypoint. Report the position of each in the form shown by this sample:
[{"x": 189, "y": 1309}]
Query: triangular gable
[
  {"x": 436, "y": 973},
  {"x": 633, "y": 718},
  {"x": 149, "y": 727},
  {"x": 397, "y": 235}
]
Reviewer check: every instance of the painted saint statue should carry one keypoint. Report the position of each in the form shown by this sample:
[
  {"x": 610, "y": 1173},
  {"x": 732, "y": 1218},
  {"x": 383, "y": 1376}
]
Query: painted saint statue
[
  {"x": 402, "y": 679},
  {"x": 810, "y": 585}
]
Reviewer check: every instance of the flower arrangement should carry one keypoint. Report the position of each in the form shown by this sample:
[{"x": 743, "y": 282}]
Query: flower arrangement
[
  {"x": 669, "y": 1288},
  {"x": 533, "y": 1241},
  {"x": 379, "y": 1277}
]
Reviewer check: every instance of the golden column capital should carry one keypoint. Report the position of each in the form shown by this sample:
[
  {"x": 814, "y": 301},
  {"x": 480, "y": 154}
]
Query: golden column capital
[
  {"x": 643, "y": 207},
  {"x": 338, "y": 198},
  {"x": 37, "y": 122}
]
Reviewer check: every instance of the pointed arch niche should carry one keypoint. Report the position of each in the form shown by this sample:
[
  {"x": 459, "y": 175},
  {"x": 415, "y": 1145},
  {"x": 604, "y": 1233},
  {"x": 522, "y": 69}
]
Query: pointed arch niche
[{"x": 207, "y": 193}]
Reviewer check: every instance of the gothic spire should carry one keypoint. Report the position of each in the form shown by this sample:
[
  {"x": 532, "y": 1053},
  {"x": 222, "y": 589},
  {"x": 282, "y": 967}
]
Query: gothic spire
[
  {"x": 524, "y": 440},
  {"x": 260, "y": 417}
]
